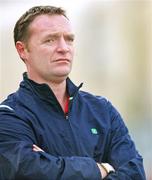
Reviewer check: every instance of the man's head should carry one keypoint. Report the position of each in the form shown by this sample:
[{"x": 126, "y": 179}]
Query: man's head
[{"x": 44, "y": 40}]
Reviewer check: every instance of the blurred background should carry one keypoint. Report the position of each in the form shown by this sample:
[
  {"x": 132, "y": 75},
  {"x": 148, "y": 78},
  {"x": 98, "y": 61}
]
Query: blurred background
[{"x": 113, "y": 57}]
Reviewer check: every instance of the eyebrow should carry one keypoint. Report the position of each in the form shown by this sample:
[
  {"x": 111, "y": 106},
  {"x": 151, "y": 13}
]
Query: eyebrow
[{"x": 57, "y": 34}]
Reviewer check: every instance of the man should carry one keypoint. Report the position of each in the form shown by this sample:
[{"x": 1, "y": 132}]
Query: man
[{"x": 51, "y": 130}]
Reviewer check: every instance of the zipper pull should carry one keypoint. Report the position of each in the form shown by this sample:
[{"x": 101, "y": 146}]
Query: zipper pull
[
  {"x": 70, "y": 98},
  {"x": 66, "y": 117}
]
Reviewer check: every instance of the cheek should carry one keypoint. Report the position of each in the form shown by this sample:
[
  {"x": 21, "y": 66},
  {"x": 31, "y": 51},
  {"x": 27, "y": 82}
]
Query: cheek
[
  {"x": 72, "y": 51},
  {"x": 44, "y": 55}
]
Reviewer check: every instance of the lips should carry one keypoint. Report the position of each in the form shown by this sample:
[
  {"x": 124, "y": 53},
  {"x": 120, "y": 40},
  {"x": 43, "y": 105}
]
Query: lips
[{"x": 62, "y": 60}]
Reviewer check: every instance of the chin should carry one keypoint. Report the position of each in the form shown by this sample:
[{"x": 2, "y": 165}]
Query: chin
[
  {"x": 63, "y": 71},
  {"x": 63, "y": 74}
]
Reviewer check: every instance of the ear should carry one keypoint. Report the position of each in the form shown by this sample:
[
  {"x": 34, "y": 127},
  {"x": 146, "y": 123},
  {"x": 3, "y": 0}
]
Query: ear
[{"x": 22, "y": 50}]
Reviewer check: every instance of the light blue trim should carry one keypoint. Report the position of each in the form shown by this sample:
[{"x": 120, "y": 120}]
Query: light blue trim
[{"x": 7, "y": 107}]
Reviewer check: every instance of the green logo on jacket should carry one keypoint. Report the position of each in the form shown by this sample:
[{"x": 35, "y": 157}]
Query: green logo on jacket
[{"x": 94, "y": 131}]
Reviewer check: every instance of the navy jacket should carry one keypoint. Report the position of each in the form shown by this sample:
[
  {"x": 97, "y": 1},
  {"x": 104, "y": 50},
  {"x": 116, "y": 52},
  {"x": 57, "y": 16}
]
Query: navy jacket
[{"x": 93, "y": 132}]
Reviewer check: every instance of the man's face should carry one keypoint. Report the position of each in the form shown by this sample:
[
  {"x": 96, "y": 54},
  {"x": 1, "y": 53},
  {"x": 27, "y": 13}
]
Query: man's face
[{"x": 50, "y": 49}]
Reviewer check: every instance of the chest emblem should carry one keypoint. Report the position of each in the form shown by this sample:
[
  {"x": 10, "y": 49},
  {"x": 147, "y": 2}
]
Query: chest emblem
[{"x": 94, "y": 131}]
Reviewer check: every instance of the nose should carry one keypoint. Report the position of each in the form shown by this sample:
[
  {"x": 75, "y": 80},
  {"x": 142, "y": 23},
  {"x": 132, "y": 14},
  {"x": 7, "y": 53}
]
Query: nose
[{"x": 62, "y": 46}]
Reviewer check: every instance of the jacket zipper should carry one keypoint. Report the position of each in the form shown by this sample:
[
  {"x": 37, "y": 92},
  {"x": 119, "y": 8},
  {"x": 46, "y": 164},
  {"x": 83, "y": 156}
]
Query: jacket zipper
[
  {"x": 69, "y": 105},
  {"x": 70, "y": 101}
]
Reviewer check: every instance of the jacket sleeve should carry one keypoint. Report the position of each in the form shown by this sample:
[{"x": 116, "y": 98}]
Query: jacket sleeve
[
  {"x": 122, "y": 154},
  {"x": 18, "y": 161}
]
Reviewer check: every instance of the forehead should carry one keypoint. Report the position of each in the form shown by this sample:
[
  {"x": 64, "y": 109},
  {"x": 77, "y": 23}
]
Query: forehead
[{"x": 54, "y": 23}]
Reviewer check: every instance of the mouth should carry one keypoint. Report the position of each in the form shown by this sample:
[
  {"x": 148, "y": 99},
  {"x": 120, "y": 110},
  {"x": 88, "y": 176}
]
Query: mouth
[{"x": 62, "y": 60}]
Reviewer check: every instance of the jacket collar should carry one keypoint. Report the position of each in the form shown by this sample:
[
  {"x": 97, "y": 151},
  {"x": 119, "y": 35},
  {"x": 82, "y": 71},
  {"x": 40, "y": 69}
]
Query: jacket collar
[{"x": 44, "y": 92}]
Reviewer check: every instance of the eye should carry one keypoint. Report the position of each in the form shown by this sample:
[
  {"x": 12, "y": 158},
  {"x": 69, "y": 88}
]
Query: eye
[
  {"x": 50, "y": 40},
  {"x": 70, "y": 39}
]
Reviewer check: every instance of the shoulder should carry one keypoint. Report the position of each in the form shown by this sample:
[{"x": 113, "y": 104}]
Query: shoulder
[
  {"x": 9, "y": 103},
  {"x": 94, "y": 99},
  {"x": 14, "y": 104},
  {"x": 99, "y": 103},
  {"x": 90, "y": 96}
]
